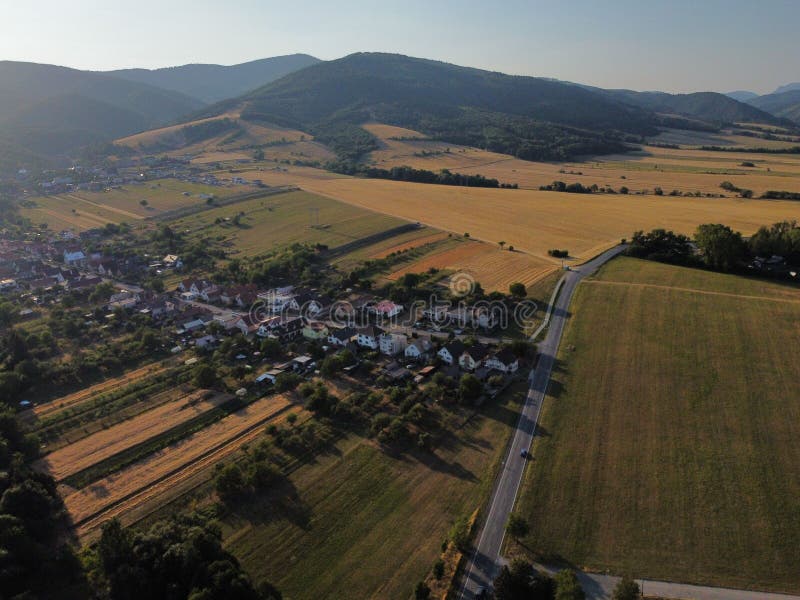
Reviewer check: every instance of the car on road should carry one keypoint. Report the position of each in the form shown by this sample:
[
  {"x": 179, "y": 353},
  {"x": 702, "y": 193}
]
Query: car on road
[
  {"x": 524, "y": 454},
  {"x": 482, "y": 593}
]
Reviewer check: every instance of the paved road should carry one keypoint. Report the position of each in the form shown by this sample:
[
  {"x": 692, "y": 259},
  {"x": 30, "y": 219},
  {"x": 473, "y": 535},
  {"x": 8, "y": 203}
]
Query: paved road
[{"x": 485, "y": 560}]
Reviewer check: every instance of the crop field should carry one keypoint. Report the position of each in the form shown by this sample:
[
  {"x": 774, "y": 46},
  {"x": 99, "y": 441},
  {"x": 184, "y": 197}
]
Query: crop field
[
  {"x": 105, "y": 443},
  {"x": 280, "y": 220},
  {"x": 488, "y": 265},
  {"x": 85, "y": 210},
  {"x": 669, "y": 445},
  {"x": 534, "y": 221},
  {"x": 144, "y": 480},
  {"x": 362, "y": 523}
]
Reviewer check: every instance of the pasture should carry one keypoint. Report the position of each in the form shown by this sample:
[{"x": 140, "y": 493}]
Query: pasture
[{"x": 668, "y": 443}]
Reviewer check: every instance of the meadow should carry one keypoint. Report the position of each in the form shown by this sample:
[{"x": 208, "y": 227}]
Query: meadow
[{"x": 667, "y": 446}]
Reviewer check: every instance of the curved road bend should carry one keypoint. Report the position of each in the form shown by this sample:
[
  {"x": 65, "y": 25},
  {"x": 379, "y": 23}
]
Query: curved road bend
[{"x": 483, "y": 564}]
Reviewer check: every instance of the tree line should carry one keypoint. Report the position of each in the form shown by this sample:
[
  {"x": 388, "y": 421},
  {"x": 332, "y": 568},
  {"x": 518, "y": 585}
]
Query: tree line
[{"x": 404, "y": 173}]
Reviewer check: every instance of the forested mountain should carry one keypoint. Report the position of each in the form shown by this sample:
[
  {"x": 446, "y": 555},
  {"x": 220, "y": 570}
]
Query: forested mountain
[
  {"x": 525, "y": 116},
  {"x": 212, "y": 83},
  {"x": 784, "y": 104},
  {"x": 709, "y": 107},
  {"x": 742, "y": 95},
  {"x": 789, "y": 87},
  {"x": 47, "y": 111}
]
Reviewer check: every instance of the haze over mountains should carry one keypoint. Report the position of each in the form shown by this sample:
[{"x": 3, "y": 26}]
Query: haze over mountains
[
  {"x": 212, "y": 83},
  {"x": 50, "y": 113}
]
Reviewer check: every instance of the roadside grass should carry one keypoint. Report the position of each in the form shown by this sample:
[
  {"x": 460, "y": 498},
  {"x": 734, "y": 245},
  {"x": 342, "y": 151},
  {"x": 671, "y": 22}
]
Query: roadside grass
[
  {"x": 364, "y": 523},
  {"x": 668, "y": 441}
]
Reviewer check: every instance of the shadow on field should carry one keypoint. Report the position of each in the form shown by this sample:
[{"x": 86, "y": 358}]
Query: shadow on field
[{"x": 281, "y": 502}]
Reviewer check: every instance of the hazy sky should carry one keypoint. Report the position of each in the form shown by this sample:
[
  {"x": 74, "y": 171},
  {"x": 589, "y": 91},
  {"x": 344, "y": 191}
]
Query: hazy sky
[{"x": 676, "y": 45}]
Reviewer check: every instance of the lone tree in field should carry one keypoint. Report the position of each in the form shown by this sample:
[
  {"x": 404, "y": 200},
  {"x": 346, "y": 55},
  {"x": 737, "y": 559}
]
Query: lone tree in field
[
  {"x": 205, "y": 376},
  {"x": 501, "y": 244},
  {"x": 422, "y": 591},
  {"x": 518, "y": 290},
  {"x": 517, "y": 527},
  {"x": 568, "y": 587},
  {"x": 143, "y": 202},
  {"x": 627, "y": 589}
]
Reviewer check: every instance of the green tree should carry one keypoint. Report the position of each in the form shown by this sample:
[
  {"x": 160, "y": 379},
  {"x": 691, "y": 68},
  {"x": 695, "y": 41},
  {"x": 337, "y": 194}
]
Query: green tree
[
  {"x": 518, "y": 290},
  {"x": 469, "y": 388},
  {"x": 422, "y": 591},
  {"x": 568, "y": 587},
  {"x": 721, "y": 247},
  {"x": 517, "y": 527},
  {"x": 230, "y": 482},
  {"x": 627, "y": 589},
  {"x": 205, "y": 376}
]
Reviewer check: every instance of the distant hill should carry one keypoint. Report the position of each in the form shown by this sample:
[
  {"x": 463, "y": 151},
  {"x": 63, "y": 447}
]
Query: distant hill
[
  {"x": 212, "y": 83},
  {"x": 785, "y": 104},
  {"x": 742, "y": 95},
  {"x": 789, "y": 87},
  {"x": 48, "y": 111},
  {"x": 709, "y": 107},
  {"x": 525, "y": 116}
]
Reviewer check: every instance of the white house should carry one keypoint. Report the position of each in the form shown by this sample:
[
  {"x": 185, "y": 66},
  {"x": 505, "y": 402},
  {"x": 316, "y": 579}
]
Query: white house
[
  {"x": 472, "y": 358},
  {"x": 392, "y": 343},
  {"x": 367, "y": 337},
  {"x": 271, "y": 376},
  {"x": 451, "y": 352},
  {"x": 418, "y": 349},
  {"x": 386, "y": 309},
  {"x": 172, "y": 261},
  {"x": 341, "y": 337},
  {"x": 74, "y": 257},
  {"x": 503, "y": 360}
]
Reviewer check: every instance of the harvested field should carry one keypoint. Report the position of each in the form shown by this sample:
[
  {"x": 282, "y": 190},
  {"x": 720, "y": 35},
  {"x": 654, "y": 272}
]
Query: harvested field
[
  {"x": 408, "y": 245},
  {"x": 97, "y": 447},
  {"x": 150, "y": 477},
  {"x": 493, "y": 268}
]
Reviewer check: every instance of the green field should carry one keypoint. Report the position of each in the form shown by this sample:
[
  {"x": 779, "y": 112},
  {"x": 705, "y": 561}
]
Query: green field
[
  {"x": 368, "y": 524},
  {"x": 670, "y": 440},
  {"x": 284, "y": 219},
  {"x": 86, "y": 210}
]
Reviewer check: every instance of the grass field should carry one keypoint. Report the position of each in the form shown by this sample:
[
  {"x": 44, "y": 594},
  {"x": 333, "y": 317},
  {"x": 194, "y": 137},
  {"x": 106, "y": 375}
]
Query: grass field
[
  {"x": 365, "y": 524},
  {"x": 283, "y": 219},
  {"x": 85, "y": 210},
  {"x": 668, "y": 445}
]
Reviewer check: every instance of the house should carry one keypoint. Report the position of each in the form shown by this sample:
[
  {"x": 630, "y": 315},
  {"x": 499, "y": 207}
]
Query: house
[
  {"x": 248, "y": 326},
  {"x": 207, "y": 341},
  {"x": 503, "y": 360},
  {"x": 8, "y": 285},
  {"x": 172, "y": 261},
  {"x": 228, "y": 321},
  {"x": 283, "y": 329},
  {"x": 396, "y": 372},
  {"x": 392, "y": 343},
  {"x": 74, "y": 257},
  {"x": 386, "y": 309},
  {"x": 270, "y": 376},
  {"x": 451, "y": 352},
  {"x": 277, "y": 300},
  {"x": 307, "y": 303},
  {"x": 341, "y": 337},
  {"x": 472, "y": 358},
  {"x": 123, "y": 300},
  {"x": 303, "y": 363},
  {"x": 83, "y": 283},
  {"x": 210, "y": 293},
  {"x": 367, "y": 337},
  {"x": 315, "y": 330},
  {"x": 419, "y": 349}
]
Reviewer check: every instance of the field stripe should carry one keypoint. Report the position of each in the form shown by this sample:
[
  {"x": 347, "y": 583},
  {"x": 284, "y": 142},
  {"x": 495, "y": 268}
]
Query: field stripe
[{"x": 692, "y": 291}]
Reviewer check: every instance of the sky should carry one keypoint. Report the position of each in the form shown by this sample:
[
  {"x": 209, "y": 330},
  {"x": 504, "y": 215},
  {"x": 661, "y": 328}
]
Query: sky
[{"x": 674, "y": 46}]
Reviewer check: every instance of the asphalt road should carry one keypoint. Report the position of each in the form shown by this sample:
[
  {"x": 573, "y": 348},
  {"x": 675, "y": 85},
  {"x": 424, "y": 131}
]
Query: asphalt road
[{"x": 485, "y": 560}]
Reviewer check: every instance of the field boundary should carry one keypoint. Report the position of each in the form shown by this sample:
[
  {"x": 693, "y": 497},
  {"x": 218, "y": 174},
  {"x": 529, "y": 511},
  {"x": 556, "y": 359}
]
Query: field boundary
[
  {"x": 656, "y": 286},
  {"x": 186, "y": 211}
]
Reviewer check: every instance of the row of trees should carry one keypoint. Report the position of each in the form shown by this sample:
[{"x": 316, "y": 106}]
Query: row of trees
[
  {"x": 443, "y": 177},
  {"x": 718, "y": 247}
]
